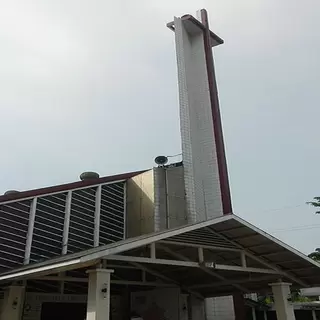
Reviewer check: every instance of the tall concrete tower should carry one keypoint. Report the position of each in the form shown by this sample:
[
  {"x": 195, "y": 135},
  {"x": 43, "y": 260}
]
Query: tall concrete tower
[{"x": 205, "y": 169}]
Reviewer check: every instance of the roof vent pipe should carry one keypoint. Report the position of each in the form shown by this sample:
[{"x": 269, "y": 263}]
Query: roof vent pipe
[
  {"x": 84, "y": 176},
  {"x": 11, "y": 192}
]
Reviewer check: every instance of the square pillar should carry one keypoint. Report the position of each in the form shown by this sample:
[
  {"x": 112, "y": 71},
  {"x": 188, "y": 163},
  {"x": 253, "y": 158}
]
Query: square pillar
[
  {"x": 13, "y": 303},
  {"x": 281, "y": 294},
  {"x": 98, "y": 304}
]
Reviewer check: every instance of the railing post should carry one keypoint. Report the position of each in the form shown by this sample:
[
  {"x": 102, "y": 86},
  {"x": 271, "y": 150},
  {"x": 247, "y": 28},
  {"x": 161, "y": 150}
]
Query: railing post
[
  {"x": 97, "y": 217},
  {"x": 66, "y": 224},
  {"x": 32, "y": 216},
  {"x": 125, "y": 210}
]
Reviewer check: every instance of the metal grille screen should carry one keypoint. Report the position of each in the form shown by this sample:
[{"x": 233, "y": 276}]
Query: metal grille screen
[
  {"x": 48, "y": 227},
  {"x": 14, "y": 219},
  {"x": 111, "y": 216},
  {"x": 81, "y": 228},
  {"x": 49, "y": 218}
]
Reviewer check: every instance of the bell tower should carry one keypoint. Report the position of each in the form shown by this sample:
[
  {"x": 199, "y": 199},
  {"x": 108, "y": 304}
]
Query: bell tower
[{"x": 205, "y": 168}]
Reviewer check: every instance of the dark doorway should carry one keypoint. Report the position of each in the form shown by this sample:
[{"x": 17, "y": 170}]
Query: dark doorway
[
  {"x": 63, "y": 311},
  {"x": 303, "y": 314}
]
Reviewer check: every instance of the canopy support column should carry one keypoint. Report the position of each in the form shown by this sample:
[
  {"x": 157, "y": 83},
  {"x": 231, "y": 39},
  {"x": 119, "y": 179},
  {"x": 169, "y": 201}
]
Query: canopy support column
[
  {"x": 98, "y": 305},
  {"x": 13, "y": 303},
  {"x": 281, "y": 295}
]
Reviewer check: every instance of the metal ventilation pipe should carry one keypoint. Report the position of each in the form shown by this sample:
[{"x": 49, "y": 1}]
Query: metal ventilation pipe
[
  {"x": 11, "y": 192},
  {"x": 89, "y": 175}
]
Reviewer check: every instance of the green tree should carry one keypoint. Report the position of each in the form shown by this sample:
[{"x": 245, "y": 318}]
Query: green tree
[
  {"x": 297, "y": 297},
  {"x": 315, "y": 203},
  {"x": 315, "y": 255}
]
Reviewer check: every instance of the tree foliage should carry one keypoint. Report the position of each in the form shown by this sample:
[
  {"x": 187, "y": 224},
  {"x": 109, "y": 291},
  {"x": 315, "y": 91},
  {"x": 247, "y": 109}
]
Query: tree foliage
[
  {"x": 295, "y": 297},
  {"x": 315, "y": 255},
  {"x": 315, "y": 203},
  {"x": 296, "y": 294}
]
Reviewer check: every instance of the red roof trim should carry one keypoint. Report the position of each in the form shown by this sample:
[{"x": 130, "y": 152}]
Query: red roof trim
[
  {"x": 203, "y": 27},
  {"x": 68, "y": 186}
]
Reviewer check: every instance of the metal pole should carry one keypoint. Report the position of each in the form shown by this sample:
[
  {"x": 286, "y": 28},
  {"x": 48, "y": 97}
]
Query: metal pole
[
  {"x": 97, "y": 216},
  {"x": 66, "y": 223},
  {"x": 32, "y": 216}
]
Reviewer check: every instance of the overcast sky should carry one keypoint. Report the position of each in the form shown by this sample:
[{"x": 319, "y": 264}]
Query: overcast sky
[{"x": 92, "y": 85}]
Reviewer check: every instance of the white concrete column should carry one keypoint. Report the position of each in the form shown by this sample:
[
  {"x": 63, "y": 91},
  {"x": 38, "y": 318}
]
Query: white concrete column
[
  {"x": 281, "y": 294},
  {"x": 12, "y": 307},
  {"x": 98, "y": 304}
]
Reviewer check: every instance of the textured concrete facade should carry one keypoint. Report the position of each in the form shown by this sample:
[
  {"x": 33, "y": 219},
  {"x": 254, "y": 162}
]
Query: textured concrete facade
[
  {"x": 140, "y": 204},
  {"x": 201, "y": 175},
  {"x": 156, "y": 201},
  {"x": 170, "y": 200},
  {"x": 160, "y": 199}
]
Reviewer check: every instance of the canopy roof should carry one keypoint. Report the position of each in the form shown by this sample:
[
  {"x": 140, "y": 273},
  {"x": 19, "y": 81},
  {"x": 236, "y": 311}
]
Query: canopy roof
[{"x": 211, "y": 258}]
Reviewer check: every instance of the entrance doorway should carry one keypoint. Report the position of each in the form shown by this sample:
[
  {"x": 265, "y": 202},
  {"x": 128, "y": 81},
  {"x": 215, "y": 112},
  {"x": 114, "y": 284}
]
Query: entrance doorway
[{"x": 63, "y": 311}]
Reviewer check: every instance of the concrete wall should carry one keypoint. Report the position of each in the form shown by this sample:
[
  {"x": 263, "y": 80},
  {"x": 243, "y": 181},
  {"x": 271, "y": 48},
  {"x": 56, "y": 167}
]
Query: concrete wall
[
  {"x": 160, "y": 198},
  {"x": 176, "y": 197},
  {"x": 140, "y": 204},
  {"x": 156, "y": 201},
  {"x": 170, "y": 200}
]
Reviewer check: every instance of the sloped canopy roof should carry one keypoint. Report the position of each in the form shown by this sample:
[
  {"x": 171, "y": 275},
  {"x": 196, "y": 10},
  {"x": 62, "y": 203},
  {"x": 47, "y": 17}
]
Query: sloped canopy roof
[{"x": 215, "y": 257}]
